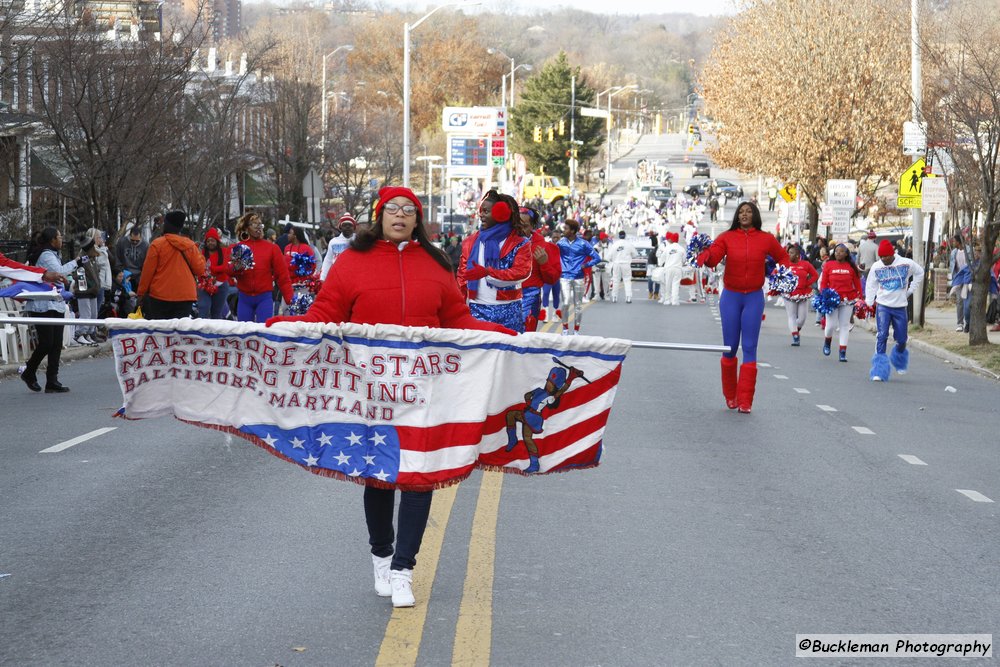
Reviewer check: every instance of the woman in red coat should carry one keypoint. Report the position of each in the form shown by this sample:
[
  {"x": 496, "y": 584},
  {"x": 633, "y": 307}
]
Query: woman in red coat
[
  {"x": 745, "y": 248},
  {"x": 841, "y": 275},
  {"x": 213, "y": 287},
  {"x": 393, "y": 274},
  {"x": 797, "y": 303},
  {"x": 255, "y": 285},
  {"x": 297, "y": 247}
]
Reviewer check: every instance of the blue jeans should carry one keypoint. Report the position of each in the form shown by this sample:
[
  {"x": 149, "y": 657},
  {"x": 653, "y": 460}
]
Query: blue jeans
[
  {"x": 257, "y": 308},
  {"x": 884, "y": 317},
  {"x": 214, "y": 306},
  {"x": 741, "y": 316},
  {"x": 414, "y": 509}
]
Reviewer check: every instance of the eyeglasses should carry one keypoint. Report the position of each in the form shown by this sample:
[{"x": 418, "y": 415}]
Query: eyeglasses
[{"x": 407, "y": 209}]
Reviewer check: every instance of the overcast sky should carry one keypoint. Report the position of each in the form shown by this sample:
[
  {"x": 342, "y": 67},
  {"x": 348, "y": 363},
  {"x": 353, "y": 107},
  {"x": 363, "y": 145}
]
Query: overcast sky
[{"x": 700, "y": 7}]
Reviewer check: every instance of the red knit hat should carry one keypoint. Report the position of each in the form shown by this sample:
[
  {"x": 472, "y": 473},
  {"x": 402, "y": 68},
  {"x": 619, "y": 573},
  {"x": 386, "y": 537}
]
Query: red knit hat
[
  {"x": 387, "y": 193},
  {"x": 212, "y": 233},
  {"x": 348, "y": 218},
  {"x": 885, "y": 248}
]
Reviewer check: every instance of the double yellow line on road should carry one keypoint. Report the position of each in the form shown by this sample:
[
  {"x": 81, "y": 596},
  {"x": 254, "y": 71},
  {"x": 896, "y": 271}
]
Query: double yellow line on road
[{"x": 474, "y": 629}]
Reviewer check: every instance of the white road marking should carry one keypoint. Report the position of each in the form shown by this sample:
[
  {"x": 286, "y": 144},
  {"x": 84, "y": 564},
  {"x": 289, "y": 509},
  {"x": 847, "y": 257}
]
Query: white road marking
[
  {"x": 77, "y": 440},
  {"x": 802, "y": 390},
  {"x": 911, "y": 459},
  {"x": 974, "y": 495},
  {"x": 763, "y": 364},
  {"x": 780, "y": 377},
  {"x": 864, "y": 430},
  {"x": 826, "y": 408}
]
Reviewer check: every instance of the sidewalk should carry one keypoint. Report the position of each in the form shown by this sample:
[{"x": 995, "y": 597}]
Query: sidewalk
[{"x": 940, "y": 321}]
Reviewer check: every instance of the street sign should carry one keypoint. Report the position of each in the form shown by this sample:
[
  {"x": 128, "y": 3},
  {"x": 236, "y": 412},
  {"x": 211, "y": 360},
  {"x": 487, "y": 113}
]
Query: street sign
[
  {"x": 825, "y": 215},
  {"x": 312, "y": 190},
  {"x": 908, "y": 195},
  {"x": 934, "y": 195},
  {"x": 593, "y": 113},
  {"x": 472, "y": 120},
  {"x": 788, "y": 192},
  {"x": 841, "y": 198},
  {"x": 914, "y": 138}
]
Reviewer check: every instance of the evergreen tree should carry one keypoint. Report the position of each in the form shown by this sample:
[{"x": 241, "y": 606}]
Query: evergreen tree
[{"x": 546, "y": 100}]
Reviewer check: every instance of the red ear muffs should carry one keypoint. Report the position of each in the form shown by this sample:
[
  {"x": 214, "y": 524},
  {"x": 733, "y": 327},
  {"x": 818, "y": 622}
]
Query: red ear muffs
[{"x": 501, "y": 211}]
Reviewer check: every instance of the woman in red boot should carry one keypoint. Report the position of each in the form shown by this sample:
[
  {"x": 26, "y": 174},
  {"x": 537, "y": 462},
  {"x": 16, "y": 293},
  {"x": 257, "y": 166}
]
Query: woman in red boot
[
  {"x": 841, "y": 275},
  {"x": 745, "y": 248}
]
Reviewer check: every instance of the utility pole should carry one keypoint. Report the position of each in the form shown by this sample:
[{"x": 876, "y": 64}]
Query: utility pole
[
  {"x": 572, "y": 139},
  {"x": 916, "y": 91}
]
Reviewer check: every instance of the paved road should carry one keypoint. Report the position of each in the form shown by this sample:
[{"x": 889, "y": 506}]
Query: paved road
[{"x": 705, "y": 537}]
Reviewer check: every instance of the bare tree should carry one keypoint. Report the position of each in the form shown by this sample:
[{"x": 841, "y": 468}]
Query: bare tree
[
  {"x": 113, "y": 108},
  {"x": 963, "y": 115},
  {"x": 818, "y": 99},
  {"x": 363, "y": 146}
]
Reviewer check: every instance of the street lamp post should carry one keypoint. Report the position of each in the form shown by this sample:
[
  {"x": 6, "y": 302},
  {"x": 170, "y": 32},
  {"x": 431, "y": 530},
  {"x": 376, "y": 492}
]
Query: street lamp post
[
  {"x": 615, "y": 90},
  {"x": 407, "y": 29},
  {"x": 429, "y": 159},
  {"x": 322, "y": 140}
]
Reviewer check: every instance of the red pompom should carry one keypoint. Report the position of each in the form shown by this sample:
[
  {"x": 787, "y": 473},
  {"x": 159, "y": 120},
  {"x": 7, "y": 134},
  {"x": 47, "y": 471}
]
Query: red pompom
[{"x": 501, "y": 211}]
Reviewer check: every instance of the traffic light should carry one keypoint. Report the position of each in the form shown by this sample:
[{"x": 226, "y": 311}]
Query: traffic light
[
  {"x": 537, "y": 134},
  {"x": 562, "y": 127},
  {"x": 552, "y": 133}
]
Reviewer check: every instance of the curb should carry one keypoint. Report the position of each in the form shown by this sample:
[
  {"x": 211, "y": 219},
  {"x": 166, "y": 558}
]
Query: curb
[
  {"x": 69, "y": 355},
  {"x": 954, "y": 359}
]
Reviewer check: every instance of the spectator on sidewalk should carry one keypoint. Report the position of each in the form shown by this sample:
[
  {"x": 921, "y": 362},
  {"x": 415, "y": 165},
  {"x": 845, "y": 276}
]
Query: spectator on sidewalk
[
  {"x": 959, "y": 286},
  {"x": 130, "y": 251},
  {"x": 167, "y": 288},
  {"x": 86, "y": 287},
  {"x": 867, "y": 254}
]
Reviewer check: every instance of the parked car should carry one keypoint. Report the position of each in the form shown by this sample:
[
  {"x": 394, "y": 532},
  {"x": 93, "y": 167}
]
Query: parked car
[
  {"x": 701, "y": 169},
  {"x": 727, "y": 189}
]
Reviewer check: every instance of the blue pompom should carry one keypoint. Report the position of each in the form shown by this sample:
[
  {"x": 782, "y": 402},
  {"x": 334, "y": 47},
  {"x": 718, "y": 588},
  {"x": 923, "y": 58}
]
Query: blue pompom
[
  {"x": 782, "y": 280},
  {"x": 697, "y": 244},
  {"x": 303, "y": 264},
  {"x": 241, "y": 258},
  {"x": 300, "y": 303},
  {"x": 826, "y": 301}
]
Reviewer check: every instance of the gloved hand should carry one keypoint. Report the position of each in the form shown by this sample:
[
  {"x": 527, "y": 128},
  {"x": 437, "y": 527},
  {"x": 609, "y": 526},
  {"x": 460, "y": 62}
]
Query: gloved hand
[
  {"x": 575, "y": 373},
  {"x": 271, "y": 321},
  {"x": 476, "y": 272}
]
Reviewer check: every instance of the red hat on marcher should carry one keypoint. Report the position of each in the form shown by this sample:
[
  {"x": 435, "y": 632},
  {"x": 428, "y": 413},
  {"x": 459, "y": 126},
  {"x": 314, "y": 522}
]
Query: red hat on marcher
[
  {"x": 347, "y": 218},
  {"x": 885, "y": 248},
  {"x": 387, "y": 193}
]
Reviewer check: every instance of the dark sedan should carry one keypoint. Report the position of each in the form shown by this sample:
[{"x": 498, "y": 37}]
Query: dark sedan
[{"x": 727, "y": 189}]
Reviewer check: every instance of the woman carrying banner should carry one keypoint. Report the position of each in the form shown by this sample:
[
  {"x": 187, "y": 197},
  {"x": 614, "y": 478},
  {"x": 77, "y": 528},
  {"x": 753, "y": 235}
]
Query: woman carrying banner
[
  {"x": 393, "y": 274},
  {"x": 744, "y": 247},
  {"x": 256, "y": 275}
]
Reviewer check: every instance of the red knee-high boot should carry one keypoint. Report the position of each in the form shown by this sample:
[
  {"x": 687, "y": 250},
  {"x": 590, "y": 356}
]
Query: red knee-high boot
[
  {"x": 729, "y": 381},
  {"x": 746, "y": 385}
]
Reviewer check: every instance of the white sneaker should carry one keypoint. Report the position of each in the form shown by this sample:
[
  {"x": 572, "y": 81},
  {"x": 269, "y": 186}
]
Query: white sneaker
[
  {"x": 84, "y": 339},
  {"x": 383, "y": 588},
  {"x": 402, "y": 588},
  {"x": 960, "y": 327},
  {"x": 565, "y": 332}
]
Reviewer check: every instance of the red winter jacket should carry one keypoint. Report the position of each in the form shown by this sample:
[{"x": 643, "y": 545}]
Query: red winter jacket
[
  {"x": 519, "y": 270},
  {"x": 806, "y": 273},
  {"x": 842, "y": 278},
  {"x": 745, "y": 253},
  {"x": 390, "y": 285},
  {"x": 217, "y": 260},
  {"x": 269, "y": 268},
  {"x": 543, "y": 274}
]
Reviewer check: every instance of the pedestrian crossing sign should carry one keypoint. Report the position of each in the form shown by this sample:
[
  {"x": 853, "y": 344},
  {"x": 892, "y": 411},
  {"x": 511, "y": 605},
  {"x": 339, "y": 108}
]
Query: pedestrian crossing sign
[
  {"x": 910, "y": 185},
  {"x": 788, "y": 192}
]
